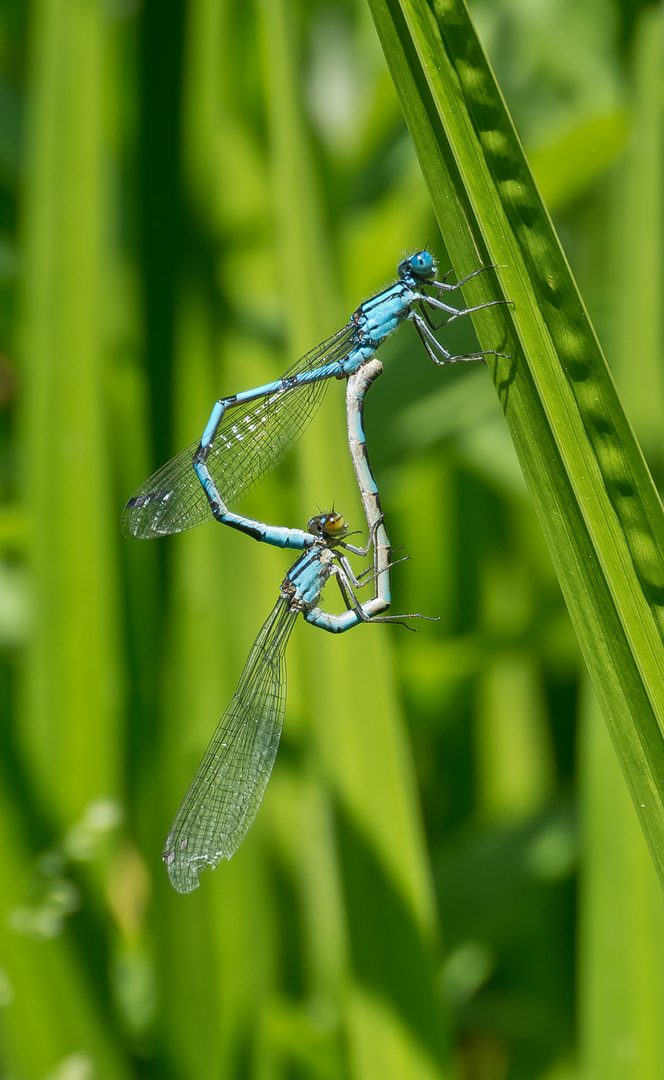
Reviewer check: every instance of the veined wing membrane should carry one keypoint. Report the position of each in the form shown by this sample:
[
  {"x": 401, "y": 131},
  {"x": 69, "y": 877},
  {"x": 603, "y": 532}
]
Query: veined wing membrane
[
  {"x": 250, "y": 441},
  {"x": 227, "y": 790}
]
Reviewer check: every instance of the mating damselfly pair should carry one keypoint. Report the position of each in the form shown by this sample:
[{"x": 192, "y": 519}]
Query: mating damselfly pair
[{"x": 246, "y": 436}]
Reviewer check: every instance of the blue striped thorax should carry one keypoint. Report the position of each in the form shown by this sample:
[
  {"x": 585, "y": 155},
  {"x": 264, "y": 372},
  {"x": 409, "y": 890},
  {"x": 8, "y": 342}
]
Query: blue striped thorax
[{"x": 382, "y": 314}]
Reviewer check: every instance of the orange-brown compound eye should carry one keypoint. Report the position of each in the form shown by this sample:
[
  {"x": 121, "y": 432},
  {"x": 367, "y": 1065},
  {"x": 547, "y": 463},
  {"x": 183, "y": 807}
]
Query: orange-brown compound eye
[{"x": 333, "y": 524}]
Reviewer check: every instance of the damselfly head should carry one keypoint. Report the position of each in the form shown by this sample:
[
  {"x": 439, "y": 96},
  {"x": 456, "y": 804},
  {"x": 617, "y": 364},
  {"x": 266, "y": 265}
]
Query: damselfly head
[
  {"x": 331, "y": 525},
  {"x": 418, "y": 267}
]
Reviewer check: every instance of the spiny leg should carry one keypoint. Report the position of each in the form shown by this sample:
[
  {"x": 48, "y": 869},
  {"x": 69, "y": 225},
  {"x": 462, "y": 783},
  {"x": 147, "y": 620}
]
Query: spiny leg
[
  {"x": 444, "y": 286},
  {"x": 452, "y": 312},
  {"x": 433, "y": 346}
]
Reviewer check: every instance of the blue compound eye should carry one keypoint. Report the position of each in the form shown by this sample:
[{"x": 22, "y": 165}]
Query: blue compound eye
[{"x": 420, "y": 265}]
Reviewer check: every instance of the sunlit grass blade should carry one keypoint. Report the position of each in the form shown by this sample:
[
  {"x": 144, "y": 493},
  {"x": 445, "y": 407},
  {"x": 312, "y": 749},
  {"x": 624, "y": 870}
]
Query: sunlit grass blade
[
  {"x": 72, "y": 680},
  {"x": 621, "y": 981},
  {"x": 594, "y": 498},
  {"x": 636, "y": 234},
  {"x": 382, "y": 973},
  {"x": 67, "y": 720},
  {"x": 621, "y": 974}
]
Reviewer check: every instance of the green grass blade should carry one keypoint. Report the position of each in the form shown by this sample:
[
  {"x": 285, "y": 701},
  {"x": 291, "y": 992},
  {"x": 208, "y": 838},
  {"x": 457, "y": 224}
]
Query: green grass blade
[
  {"x": 621, "y": 974},
  {"x": 385, "y": 961},
  {"x": 72, "y": 682},
  {"x": 68, "y": 718},
  {"x": 600, "y": 514},
  {"x": 621, "y": 980}
]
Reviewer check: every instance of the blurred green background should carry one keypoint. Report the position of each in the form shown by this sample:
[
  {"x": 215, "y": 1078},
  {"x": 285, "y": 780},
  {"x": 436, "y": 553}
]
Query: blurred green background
[{"x": 446, "y": 878}]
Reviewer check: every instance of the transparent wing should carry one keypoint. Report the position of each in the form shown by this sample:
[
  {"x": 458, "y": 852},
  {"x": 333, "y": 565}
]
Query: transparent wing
[
  {"x": 224, "y": 796},
  {"x": 249, "y": 443}
]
